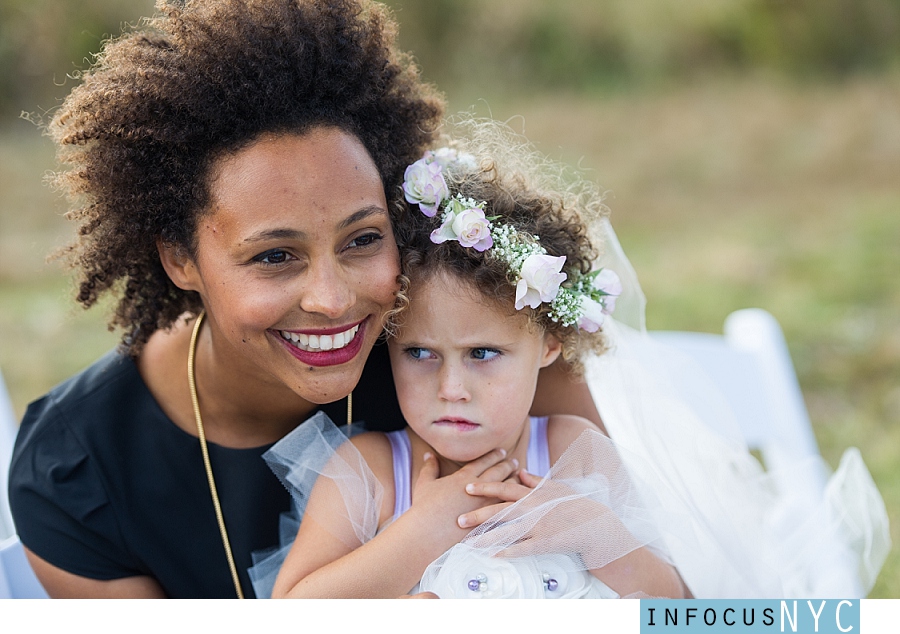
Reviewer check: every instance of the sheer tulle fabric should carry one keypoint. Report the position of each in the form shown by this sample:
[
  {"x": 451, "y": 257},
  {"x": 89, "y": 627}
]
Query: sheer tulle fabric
[
  {"x": 584, "y": 515},
  {"x": 752, "y": 533}
]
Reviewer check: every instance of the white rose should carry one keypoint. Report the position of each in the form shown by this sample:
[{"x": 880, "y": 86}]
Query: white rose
[{"x": 539, "y": 280}]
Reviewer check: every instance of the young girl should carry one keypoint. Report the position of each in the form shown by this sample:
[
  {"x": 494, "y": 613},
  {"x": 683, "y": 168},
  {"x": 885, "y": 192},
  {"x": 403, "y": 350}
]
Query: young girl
[
  {"x": 497, "y": 284},
  {"x": 501, "y": 277}
]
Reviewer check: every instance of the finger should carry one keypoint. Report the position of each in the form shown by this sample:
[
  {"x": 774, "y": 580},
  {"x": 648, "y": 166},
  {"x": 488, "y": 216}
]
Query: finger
[
  {"x": 507, "y": 491},
  {"x": 430, "y": 468},
  {"x": 500, "y": 471},
  {"x": 480, "y": 516},
  {"x": 488, "y": 460},
  {"x": 529, "y": 479}
]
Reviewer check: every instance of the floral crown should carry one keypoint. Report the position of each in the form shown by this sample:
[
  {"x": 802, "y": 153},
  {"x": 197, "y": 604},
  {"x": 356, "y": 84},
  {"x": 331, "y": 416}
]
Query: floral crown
[{"x": 583, "y": 300}]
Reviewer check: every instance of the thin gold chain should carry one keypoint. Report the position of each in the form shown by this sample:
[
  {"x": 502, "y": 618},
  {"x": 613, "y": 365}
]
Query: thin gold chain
[
  {"x": 209, "y": 474},
  {"x": 349, "y": 409}
]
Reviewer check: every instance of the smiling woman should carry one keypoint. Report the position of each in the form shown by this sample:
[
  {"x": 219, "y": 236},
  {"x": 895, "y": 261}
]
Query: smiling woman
[{"x": 249, "y": 183}]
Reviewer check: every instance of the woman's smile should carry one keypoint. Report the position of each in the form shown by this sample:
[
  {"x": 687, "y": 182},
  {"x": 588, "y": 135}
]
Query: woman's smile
[{"x": 332, "y": 346}]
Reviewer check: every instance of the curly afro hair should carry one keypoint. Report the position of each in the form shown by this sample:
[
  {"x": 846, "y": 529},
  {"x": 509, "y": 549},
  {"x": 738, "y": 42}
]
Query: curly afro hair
[
  {"x": 139, "y": 136},
  {"x": 522, "y": 188}
]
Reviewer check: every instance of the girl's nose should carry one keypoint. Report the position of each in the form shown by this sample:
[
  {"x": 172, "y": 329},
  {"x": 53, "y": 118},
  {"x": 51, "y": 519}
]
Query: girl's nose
[
  {"x": 328, "y": 291},
  {"x": 452, "y": 385}
]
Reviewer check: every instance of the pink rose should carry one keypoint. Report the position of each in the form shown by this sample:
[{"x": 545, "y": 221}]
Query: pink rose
[
  {"x": 608, "y": 283},
  {"x": 539, "y": 280},
  {"x": 469, "y": 227}
]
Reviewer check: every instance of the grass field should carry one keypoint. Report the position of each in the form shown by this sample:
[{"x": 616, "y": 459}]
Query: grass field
[{"x": 724, "y": 194}]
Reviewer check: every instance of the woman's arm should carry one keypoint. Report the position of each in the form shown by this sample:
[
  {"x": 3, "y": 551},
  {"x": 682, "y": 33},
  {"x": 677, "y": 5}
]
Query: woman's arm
[
  {"x": 60, "y": 584},
  {"x": 638, "y": 571},
  {"x": 559, "y": 392},
  {"x": 325, "y": 563}
]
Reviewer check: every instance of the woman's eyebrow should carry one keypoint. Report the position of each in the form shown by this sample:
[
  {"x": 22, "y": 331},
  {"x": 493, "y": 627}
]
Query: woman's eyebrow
[
  {"x": 275, "y": 234},
  {"x": 294, "y": 234},
  {"x": 362, "y": 214}
]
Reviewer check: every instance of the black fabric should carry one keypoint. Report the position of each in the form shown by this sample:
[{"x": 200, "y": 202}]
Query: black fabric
[{"x": 103, "y": 485}]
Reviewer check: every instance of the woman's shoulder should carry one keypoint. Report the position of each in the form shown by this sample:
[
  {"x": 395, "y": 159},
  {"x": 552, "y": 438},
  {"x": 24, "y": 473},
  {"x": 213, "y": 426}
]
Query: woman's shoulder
[{"x": 94, "y": 395}]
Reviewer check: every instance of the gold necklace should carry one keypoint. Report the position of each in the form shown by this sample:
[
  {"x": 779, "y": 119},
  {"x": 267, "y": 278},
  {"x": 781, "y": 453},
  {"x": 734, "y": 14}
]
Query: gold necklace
[
  {"x": 205, "y": 451},
  {"x": 209, "y": 474}
]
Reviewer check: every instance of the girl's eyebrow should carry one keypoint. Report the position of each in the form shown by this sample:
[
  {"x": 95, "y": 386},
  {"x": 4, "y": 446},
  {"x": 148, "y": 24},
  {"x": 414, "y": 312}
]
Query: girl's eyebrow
[{"x": 294, "y": 234}]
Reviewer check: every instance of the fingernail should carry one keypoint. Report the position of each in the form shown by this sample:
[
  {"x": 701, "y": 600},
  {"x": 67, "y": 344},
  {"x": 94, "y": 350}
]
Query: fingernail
[
  {"x": 470, "y": 488},
  {"x": 461, "y": 521},
  {"x": 503, "y": 452},
  {"x": 427, "y": 455},
  {"x": 515, "y": 462}
]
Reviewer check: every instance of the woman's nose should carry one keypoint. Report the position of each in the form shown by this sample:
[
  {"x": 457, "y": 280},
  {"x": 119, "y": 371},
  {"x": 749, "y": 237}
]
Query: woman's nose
[
  {"x": 452, "y": 386},
  {"x": 328, "y": 291}
]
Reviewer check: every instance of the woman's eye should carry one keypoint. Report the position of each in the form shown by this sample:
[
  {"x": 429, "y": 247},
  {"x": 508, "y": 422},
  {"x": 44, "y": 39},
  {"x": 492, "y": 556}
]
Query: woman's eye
[
  {"x": 275, "y": 257},
  {"x": 484, "y": 354},
  {"x": 366, "y": 240},
  {"x": 419, "y": 354}
]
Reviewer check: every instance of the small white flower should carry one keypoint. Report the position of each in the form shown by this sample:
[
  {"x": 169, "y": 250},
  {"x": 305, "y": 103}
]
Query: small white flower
[
  {"x": 424, "y": 184},
  {"x": 539, "y": 280}
]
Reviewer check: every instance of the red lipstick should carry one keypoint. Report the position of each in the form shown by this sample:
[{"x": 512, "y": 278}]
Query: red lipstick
[{"x": 324, "y": 358}]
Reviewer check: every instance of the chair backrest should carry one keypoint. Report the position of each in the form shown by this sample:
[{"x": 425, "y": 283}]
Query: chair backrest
[
  {"x": 8, "y": 429},
  {"x": 17, "y": 580},
  {"x": 752, "y": 367}
]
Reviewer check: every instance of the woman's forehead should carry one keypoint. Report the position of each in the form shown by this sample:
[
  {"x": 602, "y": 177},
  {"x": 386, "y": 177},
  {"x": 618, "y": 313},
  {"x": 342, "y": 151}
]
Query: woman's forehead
[{"x": 324, "y": 178}]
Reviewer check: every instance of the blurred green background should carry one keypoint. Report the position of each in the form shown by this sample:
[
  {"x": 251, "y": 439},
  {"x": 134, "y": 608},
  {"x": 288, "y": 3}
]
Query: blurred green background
[{"x": 750, "y": 151}]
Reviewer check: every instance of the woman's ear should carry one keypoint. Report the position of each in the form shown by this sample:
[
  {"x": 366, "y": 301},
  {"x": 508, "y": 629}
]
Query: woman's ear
[
  {"x": 552, "y": 350},
  {"x": 179, "y": 266}
]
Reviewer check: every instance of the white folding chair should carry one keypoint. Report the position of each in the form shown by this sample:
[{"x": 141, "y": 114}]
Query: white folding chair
[
  {"x": 751, "y": 366},
  {"x": 17, "y": 579},
  {"x": 8, "y": 429}
]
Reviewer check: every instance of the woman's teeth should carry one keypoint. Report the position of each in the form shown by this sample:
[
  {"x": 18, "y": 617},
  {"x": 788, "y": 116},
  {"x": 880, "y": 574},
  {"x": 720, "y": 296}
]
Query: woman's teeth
[{"x": 318, "y": 343}]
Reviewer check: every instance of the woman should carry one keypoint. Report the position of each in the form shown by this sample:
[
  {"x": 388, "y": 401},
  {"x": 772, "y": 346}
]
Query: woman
[{"x": 235, "y": 161}]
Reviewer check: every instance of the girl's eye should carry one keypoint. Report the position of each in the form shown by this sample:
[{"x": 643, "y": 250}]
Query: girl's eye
[
  {"x": 484, "y": 354},
  {"x": 419, "y": 354},
  {"x": 274, "y": 257},
  {"x": 366, "y": 240}
]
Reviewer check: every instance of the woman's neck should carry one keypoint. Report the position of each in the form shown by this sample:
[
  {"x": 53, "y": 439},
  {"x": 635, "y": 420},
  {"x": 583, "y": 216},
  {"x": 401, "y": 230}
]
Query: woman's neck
[{"x": 239, "y": 409}]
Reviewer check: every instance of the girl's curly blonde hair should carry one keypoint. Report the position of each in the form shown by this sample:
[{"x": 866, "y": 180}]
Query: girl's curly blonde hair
[{"x": 522, "y": 188}]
